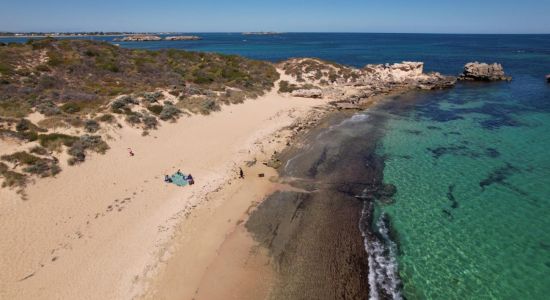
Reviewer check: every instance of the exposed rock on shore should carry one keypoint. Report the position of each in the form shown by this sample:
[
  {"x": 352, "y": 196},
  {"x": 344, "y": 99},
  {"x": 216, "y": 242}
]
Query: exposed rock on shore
[
  {"x": 305, "y": 93},
  {"x": 476, "y": 71},
  {"x": 352, "y": 87},
  {"x": 183, "y": 38}
]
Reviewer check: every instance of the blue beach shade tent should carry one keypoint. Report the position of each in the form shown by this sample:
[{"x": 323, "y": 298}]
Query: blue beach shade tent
[{"x": 179, "y": 179}]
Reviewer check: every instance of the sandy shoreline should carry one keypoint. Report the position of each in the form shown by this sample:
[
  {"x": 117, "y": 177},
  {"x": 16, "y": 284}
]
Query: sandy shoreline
[{"x": 101, "y": 229}]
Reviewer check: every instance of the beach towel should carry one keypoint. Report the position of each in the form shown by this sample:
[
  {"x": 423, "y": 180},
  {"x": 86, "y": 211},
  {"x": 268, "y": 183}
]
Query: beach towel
[{"x": 179, "y": 180}]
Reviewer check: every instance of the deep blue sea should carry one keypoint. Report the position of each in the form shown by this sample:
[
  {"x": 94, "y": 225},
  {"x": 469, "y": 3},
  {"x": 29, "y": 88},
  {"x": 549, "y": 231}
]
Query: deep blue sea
[{"x": 471, "y": 216}]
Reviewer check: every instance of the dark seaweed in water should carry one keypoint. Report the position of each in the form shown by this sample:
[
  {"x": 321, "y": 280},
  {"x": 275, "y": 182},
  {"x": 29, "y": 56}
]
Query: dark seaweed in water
[
  {"x": 453, "y": 150},
  {"x": 451, "y": 197},
  {"x": 448, "y": 213},
  {"x": 412, "y": 131},
  {"x": 498, "y": 176},
  {"x": 492, "y": 152}
]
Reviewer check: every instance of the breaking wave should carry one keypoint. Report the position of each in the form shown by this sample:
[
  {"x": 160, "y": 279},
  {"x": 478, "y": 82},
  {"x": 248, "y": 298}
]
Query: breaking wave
[{"x": 384, "y": 280}]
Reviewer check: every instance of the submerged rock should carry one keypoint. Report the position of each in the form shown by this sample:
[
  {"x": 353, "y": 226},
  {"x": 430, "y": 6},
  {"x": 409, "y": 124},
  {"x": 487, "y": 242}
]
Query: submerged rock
[{"x": 476, "y": 71}]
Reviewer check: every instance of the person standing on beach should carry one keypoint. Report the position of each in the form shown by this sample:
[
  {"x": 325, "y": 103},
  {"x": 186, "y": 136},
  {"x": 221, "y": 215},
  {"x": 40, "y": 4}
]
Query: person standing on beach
[{"x": 241, "y": 173}]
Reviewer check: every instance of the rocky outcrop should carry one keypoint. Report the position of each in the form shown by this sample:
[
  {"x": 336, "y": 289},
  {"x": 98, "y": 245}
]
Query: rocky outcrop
[
  {"x": 548, "y": 78},
  {"x": 183, "y": 38},
  {"x": 308, "y": 93},
  {"x": 353, "y": 88},
  {"x": 139, "y": 38},
  {"x": 476, "y": 71}
]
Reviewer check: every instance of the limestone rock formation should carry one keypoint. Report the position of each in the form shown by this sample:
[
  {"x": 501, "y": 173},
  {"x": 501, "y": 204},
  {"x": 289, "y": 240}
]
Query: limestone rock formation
[
  {"x": 476, "y": 71},
  {"x": 350, "y": 87},
  {"x": 308, "y": 93}
]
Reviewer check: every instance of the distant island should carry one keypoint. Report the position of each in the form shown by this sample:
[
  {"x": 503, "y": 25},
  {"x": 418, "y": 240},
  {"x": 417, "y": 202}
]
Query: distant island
[
  {"x": 153, "y": 38},
  {"x": 262, "y": 33}
]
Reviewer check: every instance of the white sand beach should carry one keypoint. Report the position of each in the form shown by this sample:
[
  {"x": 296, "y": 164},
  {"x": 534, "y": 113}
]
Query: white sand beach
[{"x": 107, "y": 228}]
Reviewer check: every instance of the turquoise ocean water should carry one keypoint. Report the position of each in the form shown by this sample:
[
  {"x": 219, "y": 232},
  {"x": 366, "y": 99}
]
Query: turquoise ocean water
[{"x": 471, "y": 217}]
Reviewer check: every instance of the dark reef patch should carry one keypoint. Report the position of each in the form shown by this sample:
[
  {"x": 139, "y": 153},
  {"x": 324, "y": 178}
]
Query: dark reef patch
[
  {"x": 448, "y": 214},
  {"x": 492, "y": 152},
  {"x": 451, "y": 197},
  {"x": 413, "y": 132},
  {"x": 498, "y": 176},
  {"x": 460, "y": 150}
]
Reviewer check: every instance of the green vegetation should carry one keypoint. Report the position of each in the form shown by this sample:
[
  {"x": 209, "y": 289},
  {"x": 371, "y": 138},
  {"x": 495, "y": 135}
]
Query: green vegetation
[
  {"x": 54, "y": 141},
  {"x": 12, "y": 178},
  {"x": 39, "y": 150},
  {"x": 80, "y": 76},
  {"x": 42, "y": 167},
  {"x": 86, "y": 142}
]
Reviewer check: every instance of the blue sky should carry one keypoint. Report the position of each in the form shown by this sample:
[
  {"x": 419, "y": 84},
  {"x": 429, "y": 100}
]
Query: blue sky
[{"x": 428, "y": 16}]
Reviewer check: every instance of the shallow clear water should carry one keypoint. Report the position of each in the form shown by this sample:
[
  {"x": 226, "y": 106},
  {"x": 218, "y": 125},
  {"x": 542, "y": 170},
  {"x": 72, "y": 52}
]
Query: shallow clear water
[{"x": 472, "y": 212}]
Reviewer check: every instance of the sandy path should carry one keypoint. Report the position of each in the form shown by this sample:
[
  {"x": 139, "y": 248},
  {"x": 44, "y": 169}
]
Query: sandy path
[{"x": 98, "y": 230}]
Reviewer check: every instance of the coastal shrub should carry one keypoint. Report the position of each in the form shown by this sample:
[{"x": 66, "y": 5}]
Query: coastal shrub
[
  {"x": 152, "y": 97},
  {"x": 28, "y": 136},
  {"x": 70, "y": 108},
  {"x": 54, "y": 141},
  {"x": 48, "y": 109},
  {"x": 234, "y": 97},
  {"x": 23, "y": 125},
  {"x": 150, "y": 122},
  {"x": 286, "y": 87},
  {"x": 20, "y": 157},
  {"x": 12, "y": 178},
  {"x": 84, "y": 143},
  {"x": 17, "y": 109},
  {"x": 121, "y": 103},
  {"x": 107, "y": 118},
  {"x": 208, "y": 106},
  {"x": 169, "y": 111},
  {"x": 43, "y": 68},
  {"x": 35, "y": 165},
  {"x": 91, "y": 126},
  {"x": 133, "y": 118},
  {"x": 39, "y": 150},
  {"x": 43, "y": 168},
  {"x": 155, "y": 109}
]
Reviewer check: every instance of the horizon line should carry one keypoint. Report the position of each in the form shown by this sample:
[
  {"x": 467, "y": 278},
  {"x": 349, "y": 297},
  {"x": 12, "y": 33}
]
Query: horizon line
[{"x": 278, "y": 32}]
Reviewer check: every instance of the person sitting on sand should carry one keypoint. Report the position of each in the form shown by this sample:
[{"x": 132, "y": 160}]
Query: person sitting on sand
[
  {"x": 190, "y": 179},
  {"x": 167, "y": 179},
  {"x": 179, "y": 172},
  {"x": 130, "y": 152}
]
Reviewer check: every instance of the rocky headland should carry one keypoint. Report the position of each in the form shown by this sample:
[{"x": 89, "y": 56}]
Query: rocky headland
[
  {"x": 349, "y": 87},
  {"x": 476, "y": 71}
]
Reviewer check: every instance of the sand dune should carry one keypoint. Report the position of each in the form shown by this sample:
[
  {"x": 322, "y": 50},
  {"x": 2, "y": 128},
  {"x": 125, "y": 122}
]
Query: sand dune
[{"x": 102, "y": 230}]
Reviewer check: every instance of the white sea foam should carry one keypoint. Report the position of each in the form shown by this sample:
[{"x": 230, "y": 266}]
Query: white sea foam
[{"x": 381, "y": 251}]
